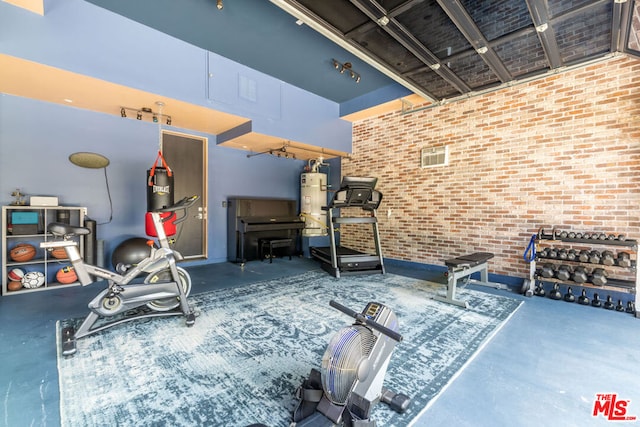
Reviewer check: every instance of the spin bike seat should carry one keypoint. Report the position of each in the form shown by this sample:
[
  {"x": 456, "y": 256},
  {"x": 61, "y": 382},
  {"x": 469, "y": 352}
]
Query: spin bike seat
[{"x": 60, "y": 229}]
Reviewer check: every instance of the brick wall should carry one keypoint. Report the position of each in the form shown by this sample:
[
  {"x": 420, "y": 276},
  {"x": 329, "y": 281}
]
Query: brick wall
[{"x": 562, "y": 151}]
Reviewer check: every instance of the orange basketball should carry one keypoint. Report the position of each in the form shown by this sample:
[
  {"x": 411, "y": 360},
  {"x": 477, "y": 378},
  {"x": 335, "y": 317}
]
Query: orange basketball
[
  {"x": 66, "y": 275},
  {"x": 22, "y": 252},
  {"x": 59, "y": 253},
  {"x": 14, "y": 285}
]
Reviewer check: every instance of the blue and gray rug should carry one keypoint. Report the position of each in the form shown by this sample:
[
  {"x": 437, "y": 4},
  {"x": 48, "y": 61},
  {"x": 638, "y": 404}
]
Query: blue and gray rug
[{"x": 252, "y": 346}]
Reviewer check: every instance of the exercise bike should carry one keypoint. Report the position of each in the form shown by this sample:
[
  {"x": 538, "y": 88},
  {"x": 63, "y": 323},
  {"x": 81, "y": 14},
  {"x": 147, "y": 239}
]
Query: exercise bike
[{"x": 163, "y": 292}]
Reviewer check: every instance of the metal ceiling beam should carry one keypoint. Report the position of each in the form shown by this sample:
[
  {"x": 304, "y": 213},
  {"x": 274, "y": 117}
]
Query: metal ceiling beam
[
  {"x": 461, "y": 18},
  {"x": 298, "y": 11},
  {"x": 546, "y": 34},
  {"x": 413, "y": 45},
  {"x": 620, "y": 25}
]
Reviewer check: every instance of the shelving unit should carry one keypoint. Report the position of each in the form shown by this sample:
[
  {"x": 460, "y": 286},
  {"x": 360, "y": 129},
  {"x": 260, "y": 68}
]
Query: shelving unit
[
  {"x": 619, "y": 278},
  {"x": 35, "y": 233}
]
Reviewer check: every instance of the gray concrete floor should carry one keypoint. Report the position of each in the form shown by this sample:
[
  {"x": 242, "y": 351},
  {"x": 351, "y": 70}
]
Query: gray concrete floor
[{"x": 544, "y": 368}]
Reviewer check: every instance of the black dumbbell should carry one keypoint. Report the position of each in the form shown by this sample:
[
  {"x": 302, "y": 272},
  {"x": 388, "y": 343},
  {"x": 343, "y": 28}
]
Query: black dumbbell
[
  {"x": 594, "y": 257},
  {"x": 602, "y": 236},
  {"x": 607, "y": 258},
  {"x": 596, "y": 302},
  {"x": 583, "y": 256},
  {"x": 621, "y": 237},
  {"x": 562, "y": 254},
  {"x": 572, "y": 254},
  {"x": 555, "y": 292},
  {"x": 564, "y": 234},
  {"x": 571, "y": 235},
  {"x": 599, "y": 277},
  {"x": 579, "y": 235},
  {"x": 579, "y": 274},
  {"x": 608, "y": 304},
  {"x": 547, "y": 270},
  {"x": 564, "y": 272},
  {"x": 569, "y": 297},
  {"x": 552, "y": 253},
  {"x": 583, "y": 298},
  {"x": 624, "y": 259}
]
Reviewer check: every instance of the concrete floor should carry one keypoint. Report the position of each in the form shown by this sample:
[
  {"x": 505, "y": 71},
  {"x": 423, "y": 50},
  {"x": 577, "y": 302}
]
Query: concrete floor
[{"x": 544, "y": 368}]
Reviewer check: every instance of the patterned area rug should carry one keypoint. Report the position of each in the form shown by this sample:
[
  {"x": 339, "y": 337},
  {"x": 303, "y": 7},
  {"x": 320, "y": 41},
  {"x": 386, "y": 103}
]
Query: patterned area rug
[{"x": 252, "y": 346}]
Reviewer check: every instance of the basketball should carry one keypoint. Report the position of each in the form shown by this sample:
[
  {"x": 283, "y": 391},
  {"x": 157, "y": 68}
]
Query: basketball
[
  {"x": 15, "y": 274},
  {"x": 23, "y": 252},
  {"x": 14, "y": 285},
  {"x": 59, "y": 253},
  {"x": 33, "y": 279},
  {"x": 66, "y": 275}
]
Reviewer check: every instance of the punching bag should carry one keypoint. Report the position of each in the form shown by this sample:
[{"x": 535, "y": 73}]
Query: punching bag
[{"x": 159, "y": 185}]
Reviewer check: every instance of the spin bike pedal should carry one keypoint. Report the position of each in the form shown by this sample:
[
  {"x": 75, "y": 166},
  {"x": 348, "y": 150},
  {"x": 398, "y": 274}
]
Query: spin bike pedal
[{"x": 68, "y": 341}]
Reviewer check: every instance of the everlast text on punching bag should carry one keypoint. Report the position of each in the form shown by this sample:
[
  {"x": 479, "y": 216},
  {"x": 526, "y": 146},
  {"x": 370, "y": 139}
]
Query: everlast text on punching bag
[{"x": 159, "y": 185}]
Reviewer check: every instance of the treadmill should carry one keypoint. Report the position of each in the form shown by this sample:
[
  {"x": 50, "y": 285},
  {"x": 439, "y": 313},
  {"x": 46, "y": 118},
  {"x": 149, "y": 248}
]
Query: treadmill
[{"x": 354, "y": 192}]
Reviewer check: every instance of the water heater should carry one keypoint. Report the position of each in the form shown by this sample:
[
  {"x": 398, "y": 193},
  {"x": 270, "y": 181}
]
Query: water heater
[{"x": 313, "y": 196}]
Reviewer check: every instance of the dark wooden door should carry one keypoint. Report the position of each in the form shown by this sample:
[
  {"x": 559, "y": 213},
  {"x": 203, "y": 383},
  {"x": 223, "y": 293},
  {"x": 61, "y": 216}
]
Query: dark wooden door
[{"x": 186, "y": 155}]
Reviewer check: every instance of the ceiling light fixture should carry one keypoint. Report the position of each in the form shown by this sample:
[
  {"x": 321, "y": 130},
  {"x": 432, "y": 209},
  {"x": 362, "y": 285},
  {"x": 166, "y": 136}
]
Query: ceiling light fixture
[
  {"x": 147, "y": 113},
  {"x": 346, "y": 67},
  {"x": 219, "y": 4}
]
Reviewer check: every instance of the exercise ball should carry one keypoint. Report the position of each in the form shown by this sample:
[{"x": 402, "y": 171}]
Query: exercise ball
[{"x": 130, "y": 252}]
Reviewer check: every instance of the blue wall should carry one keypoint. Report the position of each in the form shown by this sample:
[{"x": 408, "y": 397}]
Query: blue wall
[{"x": 36, "y": 138}]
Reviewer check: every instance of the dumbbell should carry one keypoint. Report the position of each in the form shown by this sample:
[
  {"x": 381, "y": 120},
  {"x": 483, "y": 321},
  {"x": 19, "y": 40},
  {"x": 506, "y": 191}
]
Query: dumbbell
[
  {"x": 564, "y": 234},
  {"x": 547, "y": 270},
  {"x": 555, "y": 292},
  {"x": 583, "y": 256},
  {"x": 599, "y": 277},
  {"x": 607, "y": 258},
  {"x": 564, "y": 272},
  {"x": 562, "y": 254},
  {"x": 571, "y": 235},
  {"x": 595, "y": 257},
  {"x": 572, "y": 254},
  {"x": 579, "y": 274},
  {"x": 624, "y": 259}
]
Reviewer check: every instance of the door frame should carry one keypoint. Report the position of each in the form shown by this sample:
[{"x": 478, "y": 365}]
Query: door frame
[{"x": 205, "y": 190}]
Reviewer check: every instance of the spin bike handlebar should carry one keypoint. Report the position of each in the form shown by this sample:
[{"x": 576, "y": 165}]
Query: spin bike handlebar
[
  {"x": 181, "y": 205},
  {"x": 363, "y": 319}
]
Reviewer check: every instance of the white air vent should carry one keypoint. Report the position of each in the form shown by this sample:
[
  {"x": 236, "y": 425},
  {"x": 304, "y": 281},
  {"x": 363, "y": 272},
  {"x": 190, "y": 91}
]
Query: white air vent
[{"x": 434, "y": 156}]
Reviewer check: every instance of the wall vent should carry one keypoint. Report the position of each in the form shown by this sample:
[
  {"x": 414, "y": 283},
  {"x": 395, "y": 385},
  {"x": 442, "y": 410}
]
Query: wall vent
[{"x": 434, "y": 156}]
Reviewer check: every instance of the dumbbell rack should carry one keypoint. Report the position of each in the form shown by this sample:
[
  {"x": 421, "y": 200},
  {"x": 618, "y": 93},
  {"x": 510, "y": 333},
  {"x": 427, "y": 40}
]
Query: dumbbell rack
[{"x": 558, "y": 240}]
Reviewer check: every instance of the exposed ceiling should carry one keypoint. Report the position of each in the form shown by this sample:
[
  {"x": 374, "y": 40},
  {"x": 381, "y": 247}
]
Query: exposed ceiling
[{"x": 439, "y": 49}]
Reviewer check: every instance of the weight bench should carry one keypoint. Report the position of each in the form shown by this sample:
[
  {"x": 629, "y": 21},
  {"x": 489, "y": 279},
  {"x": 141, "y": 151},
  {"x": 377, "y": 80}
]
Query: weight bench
[{"x": 462, "y": 268}]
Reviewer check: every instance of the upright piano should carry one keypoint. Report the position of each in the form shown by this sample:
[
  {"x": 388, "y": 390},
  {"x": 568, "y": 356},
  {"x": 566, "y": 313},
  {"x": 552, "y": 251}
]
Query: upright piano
[{"x": 250, "y": 219}]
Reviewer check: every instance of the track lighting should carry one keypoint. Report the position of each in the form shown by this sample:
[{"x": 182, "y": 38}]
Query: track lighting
[
  {"x": 146, "y": 113},
  {"x": 342, "y": 68}
]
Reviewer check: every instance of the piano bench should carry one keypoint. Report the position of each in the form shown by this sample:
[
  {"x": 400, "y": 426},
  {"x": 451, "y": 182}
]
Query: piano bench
[{"x": 273, "y": 243}]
